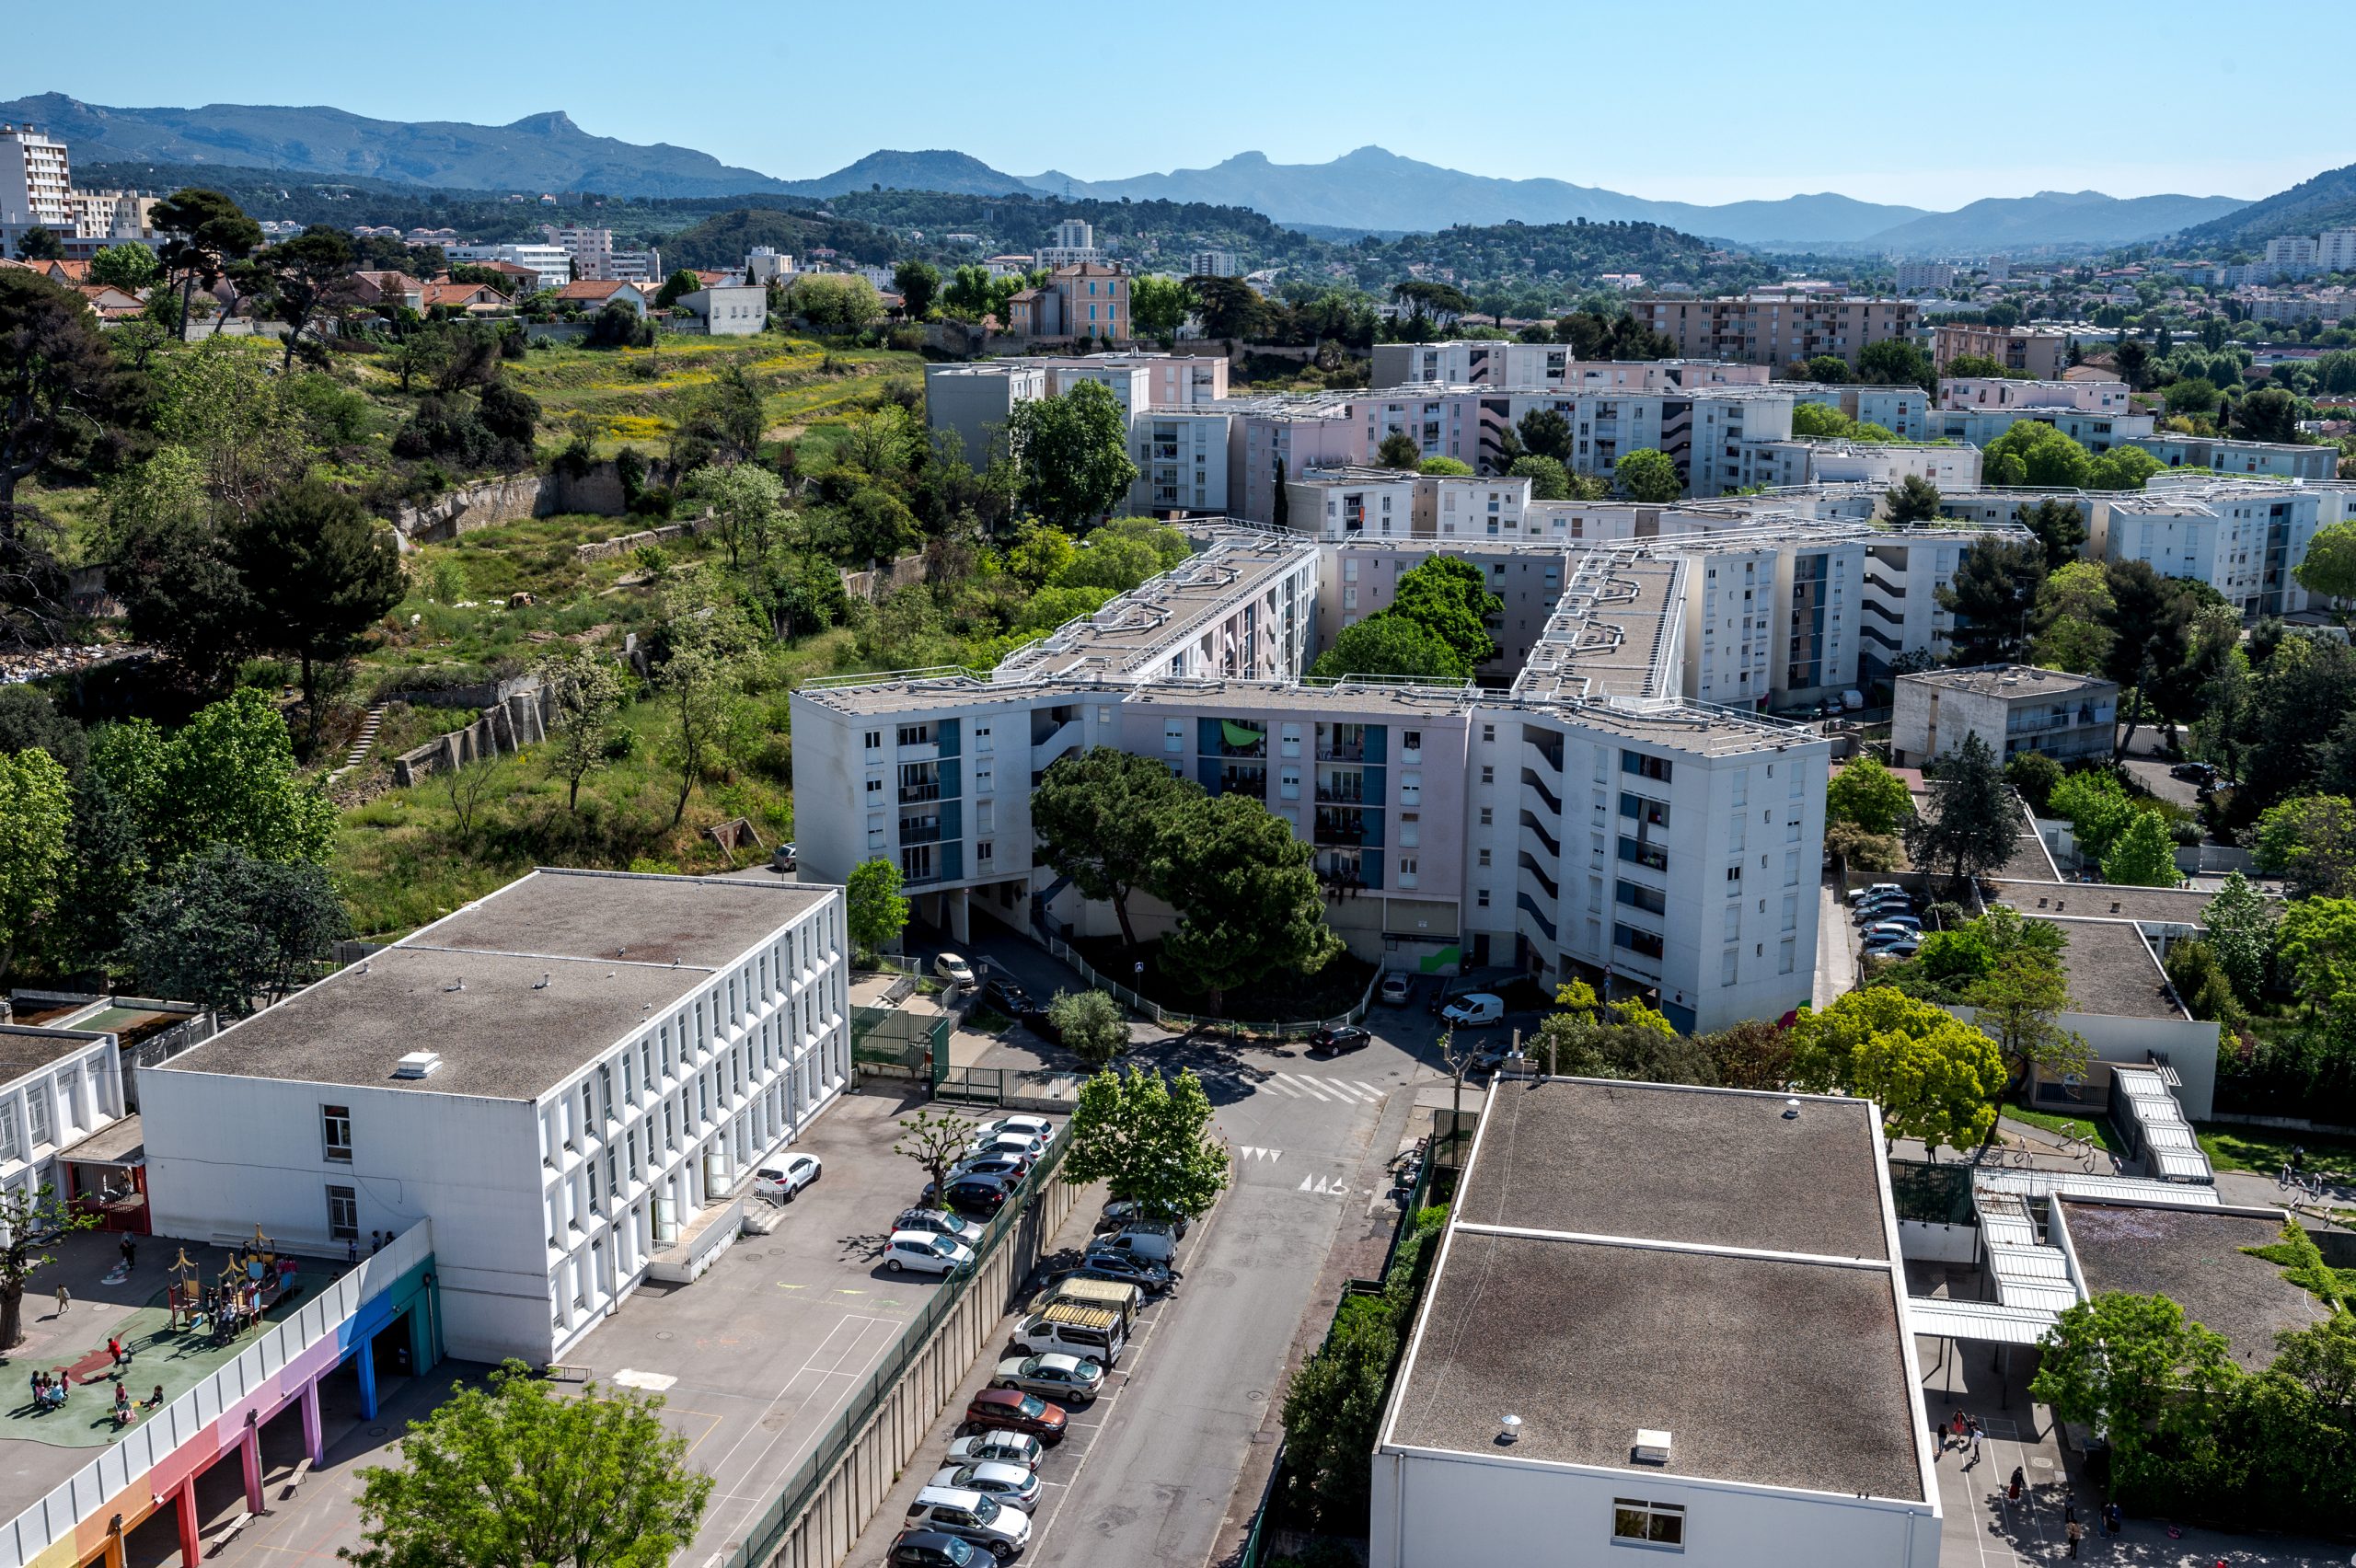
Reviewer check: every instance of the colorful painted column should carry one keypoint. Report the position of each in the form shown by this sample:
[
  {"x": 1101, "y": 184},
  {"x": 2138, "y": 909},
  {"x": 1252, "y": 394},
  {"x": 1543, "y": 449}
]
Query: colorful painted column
[
  {"x": 192, "y": 1543},
  {"x": 366, "y": 1353},
  {"x": 249, "y": 1451},
  {"x": 313, "y": 1443}
]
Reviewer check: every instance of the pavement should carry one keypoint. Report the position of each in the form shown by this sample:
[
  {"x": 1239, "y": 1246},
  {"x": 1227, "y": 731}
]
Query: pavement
[
  {"x": 2152, "y": 773},
  {"x": 1836, "y": 948},
  {"x": 1166, "y": 1467},
  {"x": 754, "y": 1360}
]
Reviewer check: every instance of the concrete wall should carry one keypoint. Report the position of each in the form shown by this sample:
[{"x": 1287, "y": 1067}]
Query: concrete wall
[
  {"x": 511, "y": 499},
  {"x": 520, "y": 720},
  {"x": 880, "y": 580},
  {"x": 857, "y": 1486}
]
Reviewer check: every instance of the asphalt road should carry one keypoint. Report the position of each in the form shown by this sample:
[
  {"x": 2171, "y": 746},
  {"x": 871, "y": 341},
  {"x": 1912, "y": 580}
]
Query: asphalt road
[{"x": 1146, "y": 1477}]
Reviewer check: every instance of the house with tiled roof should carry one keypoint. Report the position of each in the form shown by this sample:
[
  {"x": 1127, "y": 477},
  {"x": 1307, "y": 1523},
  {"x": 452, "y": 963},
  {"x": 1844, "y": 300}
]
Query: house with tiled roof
[
  {"x": 472, "y": 298},
  {"x": 111, "y": 303},
  {"x": 1085, "y": 299},
  {"x": 593, "y": 294},
  {"x": 389, "y": 288}
]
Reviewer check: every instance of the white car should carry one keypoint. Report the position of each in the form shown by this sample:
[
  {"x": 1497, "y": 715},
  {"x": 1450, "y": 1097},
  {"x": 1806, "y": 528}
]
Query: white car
[
  {"x": 1876, "y": 890},
  {"x": 781, "y": 1181},
  {"x": 1002, "y": 1529},
  {"x": 922, "y": 1251},
  {"x": 1028, "y": 1126},
  {"x": 1016, "y": 1485},
  {"x": 1020, "y": 1145},
  {"x": 1475, "y": 1011},
  {"x": 953, "y": 969}
]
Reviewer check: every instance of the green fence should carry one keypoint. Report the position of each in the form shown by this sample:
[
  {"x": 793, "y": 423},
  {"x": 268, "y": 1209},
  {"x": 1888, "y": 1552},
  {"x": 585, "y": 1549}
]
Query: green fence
[
  {"x": 1933, "y": 1194},
  {"x": 808, "y": 1477},
  {"x": 969, "y": 1086}
]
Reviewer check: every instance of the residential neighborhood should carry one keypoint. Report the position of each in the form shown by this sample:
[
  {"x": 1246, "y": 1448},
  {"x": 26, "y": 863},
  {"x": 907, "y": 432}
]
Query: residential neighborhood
[{"x": 1290, "y": 864}]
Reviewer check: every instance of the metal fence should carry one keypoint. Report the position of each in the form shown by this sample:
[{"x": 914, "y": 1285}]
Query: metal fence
[
  {"x": 802, "y": 1486},
  {"x": 1185, "y": 1023}
]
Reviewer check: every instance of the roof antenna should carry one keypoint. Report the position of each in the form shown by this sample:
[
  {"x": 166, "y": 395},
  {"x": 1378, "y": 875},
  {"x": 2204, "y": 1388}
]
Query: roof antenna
[{"x": 542, "y": 983}]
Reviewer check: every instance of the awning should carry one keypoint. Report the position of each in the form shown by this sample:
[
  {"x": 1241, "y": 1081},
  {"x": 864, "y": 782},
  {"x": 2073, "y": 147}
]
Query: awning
[
  {"x": 120, "y": 1142},
  {"x": 1240, "y": 734},
  {"x": 1986, "y": 1322}
]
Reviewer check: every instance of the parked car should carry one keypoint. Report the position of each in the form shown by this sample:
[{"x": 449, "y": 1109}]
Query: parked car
[
  {"x": 953, "y": 969},
  {"x": 1011, "y": 1168},
  {"x": 980, "y": 1197},
  {"x": 1477, "y": 1010},
  {"x": 923, "y": 1251},
  {"x": 1029, "y": 1126},
  {"x": 1020, "y": 1145},
  {"x": 1017, "y": 1486},
  {"x": 1006, "y": 996},
  {"x": 782, "y": 1181},
  {"x": 785, "y": 858},
  {"x": 1010, "y": 1411},
  {"x": 1906, "y": 923},
  {"x": 1874, "y": 891},
  {"x": 1068, "y": 1379},
  {"x": 1002, "y": 1532},
  {"x": 1093, "y": 1333},
  {"x": 941, "y": 1222},
  {"x": 1869, "y": 913},
  {"x": 932, "y": 1549},
  {"x": 2194, "y": 772},
  {"x": 1145, "y": 1238},
  {"x": 1395, "y": 989},
  {"x": 1334, "y": 1042},
  {"x": 1125, "y": 1269},
  {"x": 997, "y": 1446},
  {"x": 1894, "y": 946},
  {"x": 1122, "y": 1213}
]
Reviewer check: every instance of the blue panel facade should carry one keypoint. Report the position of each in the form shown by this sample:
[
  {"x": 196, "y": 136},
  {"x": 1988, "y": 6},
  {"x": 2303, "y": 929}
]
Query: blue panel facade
[
  {"x": 1378, "y": 738},
  {"x": 953, "y": 861},
  {"x": 1207, "y": 771},
  {"x": 949, "y": 733}
]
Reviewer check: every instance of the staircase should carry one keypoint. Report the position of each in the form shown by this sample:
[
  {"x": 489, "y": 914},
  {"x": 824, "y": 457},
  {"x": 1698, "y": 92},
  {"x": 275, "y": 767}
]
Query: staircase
[{"x": 372, "y": 720}]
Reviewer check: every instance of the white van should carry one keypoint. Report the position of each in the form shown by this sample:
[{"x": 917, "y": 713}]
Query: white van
[
  {"x": 1476, "y": 1011},
  {"x": 1093, "y": 1333},
  {"x": 1154, "y": 1240}
]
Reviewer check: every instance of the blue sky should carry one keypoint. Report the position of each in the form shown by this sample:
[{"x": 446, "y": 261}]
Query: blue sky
[{"x": 1691, "y": 102}]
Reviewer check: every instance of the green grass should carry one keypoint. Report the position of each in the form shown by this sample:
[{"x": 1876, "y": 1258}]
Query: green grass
[
  {"x": 2265, "y": 1150},
  {"x": 634, "y": 396},
  {"x": 2097, "y": 1130}
]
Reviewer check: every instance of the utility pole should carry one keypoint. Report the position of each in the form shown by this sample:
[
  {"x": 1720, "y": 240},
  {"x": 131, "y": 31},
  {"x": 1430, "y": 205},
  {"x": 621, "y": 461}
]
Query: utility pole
[{"x": 1457, "y": 1066}]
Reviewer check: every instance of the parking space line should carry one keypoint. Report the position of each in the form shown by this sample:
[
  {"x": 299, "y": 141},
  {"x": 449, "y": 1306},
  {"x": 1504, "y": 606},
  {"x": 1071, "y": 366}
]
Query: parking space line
[
  {"x": 851, "y": 1347},
  {"x": 1368, "y": 1087}
]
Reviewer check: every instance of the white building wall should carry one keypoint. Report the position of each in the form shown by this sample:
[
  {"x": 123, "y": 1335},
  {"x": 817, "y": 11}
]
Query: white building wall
[{"x": 56, "y": 1106}]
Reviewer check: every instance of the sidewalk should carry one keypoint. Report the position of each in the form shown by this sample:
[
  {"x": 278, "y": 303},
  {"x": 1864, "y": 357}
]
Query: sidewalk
[{"x": 1836, "y": 960}]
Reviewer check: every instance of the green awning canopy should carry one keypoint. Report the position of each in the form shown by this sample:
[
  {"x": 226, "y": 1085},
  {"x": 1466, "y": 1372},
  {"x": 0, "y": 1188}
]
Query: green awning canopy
[{"x": 1240, "y": 734}]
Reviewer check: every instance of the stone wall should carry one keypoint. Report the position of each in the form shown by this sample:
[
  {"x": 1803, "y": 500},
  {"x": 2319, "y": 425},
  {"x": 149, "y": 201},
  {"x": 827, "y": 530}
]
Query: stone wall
[
  {"x": 620, "y": 544},
  {"x": 513, "y": 497},
  {"x": 506, "y": 726},
  {"x": 875, "y": 584}
]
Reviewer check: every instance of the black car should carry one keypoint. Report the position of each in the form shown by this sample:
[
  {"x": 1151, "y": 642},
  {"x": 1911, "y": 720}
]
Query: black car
[
  {"x": 1037, "y": 1021},
  {"x": 1333, "y": 1042},
  {"x": 1006, "y": 996},
  {"x": 1122, "y": 1213},
  {"x": 981, "y": 1196},
  {"x": 932, "y": 1549},
  {"x": 2194, "y": 773},
  {"x": 1121, "y": 1268}
]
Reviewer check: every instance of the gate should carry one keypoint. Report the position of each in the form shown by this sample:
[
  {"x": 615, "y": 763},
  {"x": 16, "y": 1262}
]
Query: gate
[{"x": 969, "y": 1086}]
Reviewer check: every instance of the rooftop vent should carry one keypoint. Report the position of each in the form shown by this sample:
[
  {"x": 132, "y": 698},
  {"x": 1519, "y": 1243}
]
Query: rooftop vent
[
  {"x": 1652, "y": 1446},
  {"x": 1508, "y": 1429},
  {"x": 457, "y": 985},
  {"x": 1791, "y": 1110},
  {"x": 418, "y": 1064}
]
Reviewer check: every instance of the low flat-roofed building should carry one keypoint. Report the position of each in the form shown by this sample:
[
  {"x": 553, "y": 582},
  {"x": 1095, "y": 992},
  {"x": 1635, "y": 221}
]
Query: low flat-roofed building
[
  {"x": 571, "y": 1076},
  {"x": 2012, "y": 707},
  {"x": 1706, "y": 1356},
  {"x": 2195, "y": 1255}
]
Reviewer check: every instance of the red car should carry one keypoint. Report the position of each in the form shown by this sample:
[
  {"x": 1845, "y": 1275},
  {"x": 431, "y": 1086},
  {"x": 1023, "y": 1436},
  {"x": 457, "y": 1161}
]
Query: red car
[{"x": 1010, "y": 1410}]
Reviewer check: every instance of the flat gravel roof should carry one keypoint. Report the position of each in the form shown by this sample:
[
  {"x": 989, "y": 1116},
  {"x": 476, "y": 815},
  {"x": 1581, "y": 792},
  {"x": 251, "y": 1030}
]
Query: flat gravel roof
[
  {"x": 616, "y": 952},
  {"x": 1765, "y": 1371},
  {"x": 1707, "y": 1166},
  {"x": 2194, "y": 1257},
  {"x": 28, "y": 1049}
]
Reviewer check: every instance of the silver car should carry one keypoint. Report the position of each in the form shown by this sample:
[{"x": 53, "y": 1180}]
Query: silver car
[
  {"x": 1065, "y": 1379},
  {"x": 997, "y": 1446},
  {"x": 1012, "y": 1484}
]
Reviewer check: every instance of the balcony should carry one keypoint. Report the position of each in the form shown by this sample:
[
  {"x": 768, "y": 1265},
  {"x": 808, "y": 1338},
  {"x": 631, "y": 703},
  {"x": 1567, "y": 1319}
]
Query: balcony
[
  {"x": 1354, "y": 751},
  {"x": 1549, "y": 747},
  {"x": 1537, "y": 871},
  {"x": 1529, "y": 907},
  {"x": 919, "y": 794},
  {"x": 1530, "y": 822},
  {"x": 1337, "y": 792},
  {"x": 1340, "y": 827},
  {"x": 1253, "y": 781},
  {"x": 1641, "y": 852},
  {"x": 1554, "y": 804}
]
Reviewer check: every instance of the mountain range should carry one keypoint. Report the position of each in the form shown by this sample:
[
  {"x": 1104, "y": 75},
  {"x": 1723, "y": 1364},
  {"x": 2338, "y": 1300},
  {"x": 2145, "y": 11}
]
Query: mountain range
[{"x": 1368, "y": 189}]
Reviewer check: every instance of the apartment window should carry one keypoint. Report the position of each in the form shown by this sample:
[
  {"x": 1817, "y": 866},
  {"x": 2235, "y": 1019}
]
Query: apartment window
[
  {"x": 1652, "y": 901},
  {"x": 1786, "y": 956},
  {"x": 875, "y": 784},
  {"x": 1173, "y": 736},
  {"x": 1484, "y": 856},
  {"x": 1411, "y": 829},
  {"x": 1481, "y": 898},
  {"x": 1488, "y": 732},
  {"x": 37, "y": 1113},
  {"x": 1644, "y": 766},
  {"x": 343, "y": 1214},
  {"x": 1488, "y": 774},
  {"x": 9, "y": 1148},
  {"x": 1489, "y": 815},
  {"x": 1411, "y": 787},
  {"x": 983, "y": 852},
  {"x": 1288, "y": 741},
  {"x": 1638, "y": 1523},
  {"x": 981, "y": 738},
  {"x": 1647, "y": 944},
  {"x": 915, "y": 735},
  {"x": 1727, "y": 965},
  {"x": 874, "y": 741},
  {"x": 335, "y": 1133},
  {"x": 1407, "y": 871}
]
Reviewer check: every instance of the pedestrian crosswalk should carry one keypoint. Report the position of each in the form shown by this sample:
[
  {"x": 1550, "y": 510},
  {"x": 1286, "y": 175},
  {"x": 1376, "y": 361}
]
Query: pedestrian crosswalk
[{"x": 1298, "y": 1086}]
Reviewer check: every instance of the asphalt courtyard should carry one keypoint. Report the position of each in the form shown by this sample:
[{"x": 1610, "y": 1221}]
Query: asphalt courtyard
[{"x": 754, "y": 1360}]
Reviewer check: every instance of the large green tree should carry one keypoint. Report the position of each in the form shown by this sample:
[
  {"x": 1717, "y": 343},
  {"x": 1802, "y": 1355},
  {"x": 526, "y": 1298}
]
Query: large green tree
[
  {"x": 1647, "y": 475},
  {"x": 585, "y": 694},
  {"x": 2136, "y": 1371},
  {"x": 320, "y": 573},
  {"x": 1896, "y": 363},
  {"x": 36, "y": 812},
  {"x": 1248, "y": 901},
  {"x": 2329, "y": 566},
  {"x": 1149, "y": 1137},
  {"x": 2311, "y": 840},
  {"x": 1073, "y": 455},
  {"x": 2145, "y": 855},
  {"x": 235, "y": 933},
  {"x": 1934, "y": 1077},
  {"x": 203, "y": 233},
  {"x": 874, "y": 910},
  {"x": 1870, "y": 794},
  {"x": 1974, "y": 821},
  {"x": 1158, "y": 305},
  {"x": 1101, "y": 816},
  {"x": 2243, "y": 924},
  {"x": 1091, "y": 1024},
  {"x": 1447, "y": 596},
  {"x": 1333, "y": 1418},
  {"x": 2317, "y": 952},
  {"x": 1912, "y": 500},
  {"x": 55, "y": 378},
  {"x": 1390, "y": 645},
  {"x": 514, "y": 1474},
  {"x": 919, "y": 284},
  {"x": 2034, "y": 453},
  {"x": 1992, "y": 596},
  {"x": 2058, "y": 526},
  {"x": 300, "y": 277}
]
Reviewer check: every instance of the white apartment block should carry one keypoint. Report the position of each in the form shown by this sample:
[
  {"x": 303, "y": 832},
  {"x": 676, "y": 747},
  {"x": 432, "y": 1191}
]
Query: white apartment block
[
  {"x": 2316, "y": 464},
  {"x": 1444, "y": 820},
  {"x": 1544, "y": 366},
  {"x": 573, "y": 1078},
  {"x": 2097, "y": 432},
  {"x": 590, "y": 249},
  {"x": 2336, "y": 250},
  {"x": 636, "y": 267},
  {"x": 976, "y": 400},
  {"x": 551, "y": 262},
  {"x": 1182, "y": 457},
  {"x": 2012, "y": 707},
  {"x": 1997, "y": 392},
  {"x": 764, "y": 265},
  {"x": 1807, "y": 462},
  {"x": 57, "y": 1087},
  {"x": 36, "y": 181},
  {"x": 1213, "y": 264},
  {"x": 1075, "y": 243},
  {"x": 1925, "y": 277},
  {"x": 2292, "y": 250},
  {"x": 2242, "y": 539},
  {"x": 1898, "y": 409}
]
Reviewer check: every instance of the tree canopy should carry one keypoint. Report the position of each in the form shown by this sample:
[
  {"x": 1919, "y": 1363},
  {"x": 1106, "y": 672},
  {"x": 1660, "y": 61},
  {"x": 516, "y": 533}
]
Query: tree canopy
[
  {"x": 1935, "y": 1078},
  {"x": 1449, "y": 597},
  {"x": 1647, "y": 475},
  {"x": 1975, "y": 820},
  {"x": 1387, "y": 644},
  {"x": 1248, "y": 901},
  {"x": 1870, "y": 794},
  {"x": 1101, "y": 816},
  {"x": 1072, "y": 452},
  {"x": 874, "y": 910},
  {"x": 1149, "y": 1137}
]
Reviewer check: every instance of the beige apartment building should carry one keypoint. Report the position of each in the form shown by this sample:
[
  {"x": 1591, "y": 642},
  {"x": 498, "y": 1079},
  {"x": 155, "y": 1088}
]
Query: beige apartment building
[
  {"x": 1776, "y": 327},
  {"x": 1086, "y": 298},
  {"x": 2044, "y": 354}
]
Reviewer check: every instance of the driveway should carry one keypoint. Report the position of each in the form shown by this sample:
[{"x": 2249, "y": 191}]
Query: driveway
[
  {"x": 1836, "y": 948},
  {"x": 2152, "y": 773}
]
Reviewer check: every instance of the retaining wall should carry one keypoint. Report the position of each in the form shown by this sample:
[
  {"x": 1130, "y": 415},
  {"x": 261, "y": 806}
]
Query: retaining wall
[
  {"x": 513, "y": 497},
  {"x": 516, "y": 721},
  {"x": 875, "y": 584},
  {"x": 857, "y": 1487}
]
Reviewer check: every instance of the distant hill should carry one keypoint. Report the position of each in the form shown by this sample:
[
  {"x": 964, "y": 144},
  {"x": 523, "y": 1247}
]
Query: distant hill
[
  {"x": 2329, "y": 200},
  {"x": 1372, "y": 188},
  {"x": 952, "y": 174},
  {"x": 2048, "y": 218}
]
